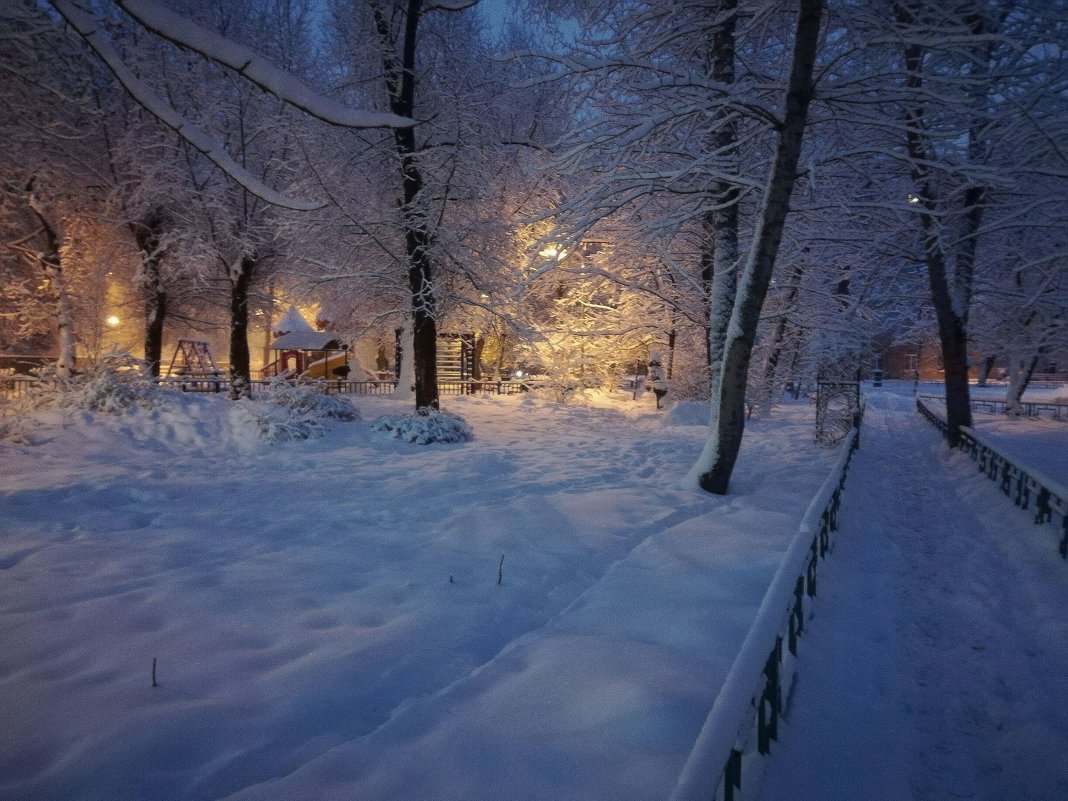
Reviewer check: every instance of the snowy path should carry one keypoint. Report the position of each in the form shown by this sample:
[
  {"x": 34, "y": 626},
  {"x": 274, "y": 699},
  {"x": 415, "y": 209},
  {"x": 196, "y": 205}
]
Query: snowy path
[{"x": 935, "y": 666}]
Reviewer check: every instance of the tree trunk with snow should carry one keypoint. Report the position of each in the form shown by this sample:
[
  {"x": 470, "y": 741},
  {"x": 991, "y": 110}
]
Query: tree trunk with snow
[
  {"x": 148, "y": 233},
  {"x": 950, "y": 292},
  {"x": 51, "y": 262},
  {"x": 727, "y": 422},
  {"x": 241, "y": 275},
  {"x": 720, "y": 265},
  {"x": 406, "y": 370},
  {"x": 400, "y": 72}
]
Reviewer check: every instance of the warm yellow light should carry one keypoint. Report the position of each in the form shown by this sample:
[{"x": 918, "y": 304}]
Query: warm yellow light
[
  {"x": 552, "y": 252},
  {"x": 113, "y": 321}
]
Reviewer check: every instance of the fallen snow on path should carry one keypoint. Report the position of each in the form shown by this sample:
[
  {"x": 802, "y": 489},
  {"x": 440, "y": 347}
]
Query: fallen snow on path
[
  {"x": 934, "y": 667},
  {"x": 326, "y": 615}
]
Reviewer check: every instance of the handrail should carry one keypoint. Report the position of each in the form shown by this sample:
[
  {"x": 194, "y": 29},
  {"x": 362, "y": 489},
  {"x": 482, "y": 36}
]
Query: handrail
[
  {"x": 751, "y": 697},
  {"x": 15, "y": 386},
  {"x": 1018, "y": 481},
  {"x": 1058, "y": 411}
]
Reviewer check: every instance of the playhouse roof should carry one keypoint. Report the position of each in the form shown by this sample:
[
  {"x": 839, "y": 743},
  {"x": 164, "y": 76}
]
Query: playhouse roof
[
  {"x": 291, "y": 321},
  {"x": 307, "y": 340}
]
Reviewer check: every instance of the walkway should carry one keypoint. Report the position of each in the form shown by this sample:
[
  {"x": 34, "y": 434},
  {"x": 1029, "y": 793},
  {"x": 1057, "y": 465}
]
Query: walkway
[{"x": 936, "y": 666}]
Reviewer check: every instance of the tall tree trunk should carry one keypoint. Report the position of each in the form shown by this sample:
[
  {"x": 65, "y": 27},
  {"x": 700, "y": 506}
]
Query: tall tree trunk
[
  {"x": 240, "y": 368},
  {"x": 148, "y": 233},
  {"x": 720, "y": 261},
  {"x": 400, "y": 80},
  {"x": 728, "y": 405},
  {"x": 51, "y": 261},
  {"x": 950, "y": 295}
]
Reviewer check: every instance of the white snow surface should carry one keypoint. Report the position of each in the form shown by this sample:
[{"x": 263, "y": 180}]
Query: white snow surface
[
  {"x": 326, "y": 615},
  {"x": 934, "y": 666}
]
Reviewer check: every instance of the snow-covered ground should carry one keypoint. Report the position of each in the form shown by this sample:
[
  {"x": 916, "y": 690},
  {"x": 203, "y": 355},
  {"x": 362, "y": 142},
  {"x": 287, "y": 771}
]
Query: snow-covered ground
[
  {"x": 934, "y": 667},
  {"x": 1039, "y": 442},
  {"x": 326, "y": 617}
]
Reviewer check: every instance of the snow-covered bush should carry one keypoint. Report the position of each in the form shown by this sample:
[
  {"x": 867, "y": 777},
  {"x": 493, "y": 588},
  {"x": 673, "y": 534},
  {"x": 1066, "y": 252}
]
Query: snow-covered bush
[
  {"x": 425, "y": 428},
  {"x": 271, "y": 423},
  {"x": 113, "y": 384},
  {"x": 290, "y": 412},
  {"x": 304, "y": 399}
]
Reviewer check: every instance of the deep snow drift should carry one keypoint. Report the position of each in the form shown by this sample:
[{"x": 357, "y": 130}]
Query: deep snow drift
[{"x": 326, "y": 615}]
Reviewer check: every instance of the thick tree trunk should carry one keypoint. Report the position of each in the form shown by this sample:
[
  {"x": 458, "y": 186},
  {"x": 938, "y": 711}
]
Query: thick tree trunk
[
  {"x": 954, "y": 340},
  {"x": 155, "y": 314},
  {"x": 148, "y": 233},
  {"x": 950, "y": 294},
  {"x": 400, "y": 81},
  {"x": 728, "y": 405},
  {"x": 720, "y": 261},
  {"x": 240, "y": 367},
  {"x": 65, "y": 323},
  {"x": 51, "y": 261}
]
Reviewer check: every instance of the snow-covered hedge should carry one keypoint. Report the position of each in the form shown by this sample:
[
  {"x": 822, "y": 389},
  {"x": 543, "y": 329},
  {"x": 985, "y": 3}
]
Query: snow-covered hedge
[
  {"x": 290, "y": 412},
  {"x": 112, "y": 385},
  {"x": 303, "y": 399},
  {"x": 425, "y": 428}
]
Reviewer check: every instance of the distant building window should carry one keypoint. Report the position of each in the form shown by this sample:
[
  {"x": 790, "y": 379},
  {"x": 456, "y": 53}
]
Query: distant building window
[{"x": 914, "y": 362}]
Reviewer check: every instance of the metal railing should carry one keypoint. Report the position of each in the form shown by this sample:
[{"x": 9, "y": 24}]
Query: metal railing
[
  {"x": 345, "y": 387},
  {"x": 1017, "y": 481},
  {"x": 15, "y": 386},
  {"x": 750, "y": 702},
  {"x": 1057, "y": 411}
]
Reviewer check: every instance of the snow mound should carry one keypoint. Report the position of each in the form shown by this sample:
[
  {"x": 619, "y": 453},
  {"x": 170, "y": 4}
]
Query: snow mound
[
  {"x": 687, "y": 413},
  {"x": 425, "y": 429}
]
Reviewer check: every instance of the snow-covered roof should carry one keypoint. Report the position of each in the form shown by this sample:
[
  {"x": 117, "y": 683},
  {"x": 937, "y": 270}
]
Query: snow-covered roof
[
  {"x": 307, "y": 340},
  {"x": 293, "y": 320}
]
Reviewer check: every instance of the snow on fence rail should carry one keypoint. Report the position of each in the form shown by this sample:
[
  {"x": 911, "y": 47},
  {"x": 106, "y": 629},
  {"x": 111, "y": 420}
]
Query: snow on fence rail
[
  {"x": 1058, "y": 411},
  {"x": 1018, "y": 482},
  {"x": 751, "y": 698},
  {"x": 15, "y": 386},
  {"x": 12, "y": 387}
]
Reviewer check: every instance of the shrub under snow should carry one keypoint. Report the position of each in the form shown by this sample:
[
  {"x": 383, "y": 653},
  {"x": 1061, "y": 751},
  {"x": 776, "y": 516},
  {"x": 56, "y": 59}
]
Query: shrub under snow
[
  {"x": 304, "y": 400},
  {"x": 290, "y": 412},
  {"x": 112, "y": 385},
  {"x": 425, "y": 428}
]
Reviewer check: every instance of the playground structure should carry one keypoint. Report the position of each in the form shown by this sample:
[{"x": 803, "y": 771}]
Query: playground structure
[
  {"x": 193, "y": 366},
  {"x": 308, "y": 354}
]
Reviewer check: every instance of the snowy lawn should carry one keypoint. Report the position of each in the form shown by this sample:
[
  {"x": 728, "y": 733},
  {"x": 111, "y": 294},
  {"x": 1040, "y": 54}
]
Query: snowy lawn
[
  {"x": 326, "y": 613},
  {"x": 1038, "y": 442}
]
